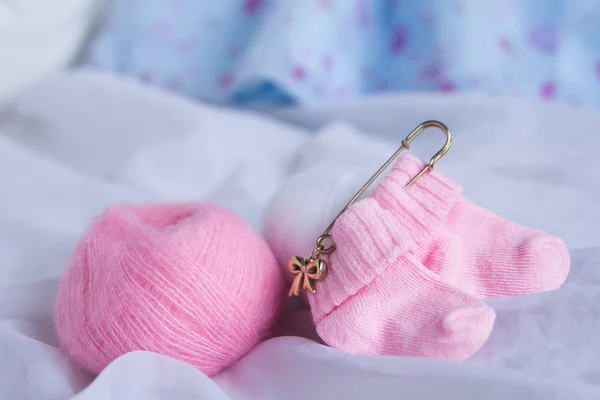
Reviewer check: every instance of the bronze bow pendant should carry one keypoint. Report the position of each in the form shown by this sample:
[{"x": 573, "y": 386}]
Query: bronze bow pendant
[{"x": 308, "y": 272}]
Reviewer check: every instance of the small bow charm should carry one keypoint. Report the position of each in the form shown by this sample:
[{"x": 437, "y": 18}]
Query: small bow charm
[{"x": 307, "y": 272}]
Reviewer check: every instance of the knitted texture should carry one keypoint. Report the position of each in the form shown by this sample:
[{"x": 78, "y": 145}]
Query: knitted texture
[
  {"x": 468, "y": 246},
  {"x": 379, "y": 299},
  {"x": 410, "y": 263},
  {"x": 193, "y": 282}
]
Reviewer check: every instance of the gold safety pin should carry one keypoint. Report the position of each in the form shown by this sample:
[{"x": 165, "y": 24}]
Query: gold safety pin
[{"x": 312, "y": 269}]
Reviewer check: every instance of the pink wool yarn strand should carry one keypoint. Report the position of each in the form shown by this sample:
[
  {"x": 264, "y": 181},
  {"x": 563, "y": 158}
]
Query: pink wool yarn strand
[{"x": 193, "y": 282}]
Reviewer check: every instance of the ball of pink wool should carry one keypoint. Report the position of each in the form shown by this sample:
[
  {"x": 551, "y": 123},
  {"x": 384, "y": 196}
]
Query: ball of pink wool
[{"x": 193, "y": 282}]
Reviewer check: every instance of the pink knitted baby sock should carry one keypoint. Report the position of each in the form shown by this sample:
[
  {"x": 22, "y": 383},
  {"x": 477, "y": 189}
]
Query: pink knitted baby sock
[
  {"x": 379, "y": 299},
  {"x": 468, "y": 246}
]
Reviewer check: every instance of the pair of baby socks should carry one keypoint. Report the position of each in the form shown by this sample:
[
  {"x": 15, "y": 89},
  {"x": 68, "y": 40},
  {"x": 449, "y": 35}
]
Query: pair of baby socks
[{"x": 413, "y": 266}]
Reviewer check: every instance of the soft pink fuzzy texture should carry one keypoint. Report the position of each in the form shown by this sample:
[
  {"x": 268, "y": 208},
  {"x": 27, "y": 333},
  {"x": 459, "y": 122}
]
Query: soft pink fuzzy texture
[
  {"x": 379, "y": 299},
  {"x": 191, "y": 281}
]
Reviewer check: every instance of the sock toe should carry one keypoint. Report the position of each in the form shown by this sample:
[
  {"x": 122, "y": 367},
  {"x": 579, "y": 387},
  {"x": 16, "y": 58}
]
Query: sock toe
[
  {"x": 468, "y": 328},
  {"x": 547, "y": 260}
]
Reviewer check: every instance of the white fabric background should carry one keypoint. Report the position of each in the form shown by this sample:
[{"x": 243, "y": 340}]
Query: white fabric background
[
  {"x": 79, "y": 142},
  {"x": 39, "y": 38}
]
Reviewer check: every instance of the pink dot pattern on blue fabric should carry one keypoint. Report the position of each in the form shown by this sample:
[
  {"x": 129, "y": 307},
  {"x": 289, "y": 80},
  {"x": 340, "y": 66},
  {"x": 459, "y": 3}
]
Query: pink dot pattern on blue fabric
[{"x": 315, "y": 50}]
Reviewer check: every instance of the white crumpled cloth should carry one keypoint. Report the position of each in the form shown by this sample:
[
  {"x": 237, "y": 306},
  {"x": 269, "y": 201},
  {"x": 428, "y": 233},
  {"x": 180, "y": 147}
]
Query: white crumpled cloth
[{"x": 82, "y": 141}]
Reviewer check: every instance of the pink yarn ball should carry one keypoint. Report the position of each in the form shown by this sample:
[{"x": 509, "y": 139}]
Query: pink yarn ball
[{"x": 191, "y": 281}]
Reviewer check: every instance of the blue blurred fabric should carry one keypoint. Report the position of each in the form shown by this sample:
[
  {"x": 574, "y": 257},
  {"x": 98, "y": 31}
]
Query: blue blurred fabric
[{"x": 309, "y": 51}]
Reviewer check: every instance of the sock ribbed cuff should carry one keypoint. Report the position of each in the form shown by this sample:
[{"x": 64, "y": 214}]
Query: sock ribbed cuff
[
  {"x": 368, "y": 239},
  {"x": 422, "y": 207}
]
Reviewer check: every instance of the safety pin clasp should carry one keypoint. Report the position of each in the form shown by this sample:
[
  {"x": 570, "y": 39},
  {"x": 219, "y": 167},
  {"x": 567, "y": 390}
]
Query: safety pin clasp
[{"x": 312, "y": 269}]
